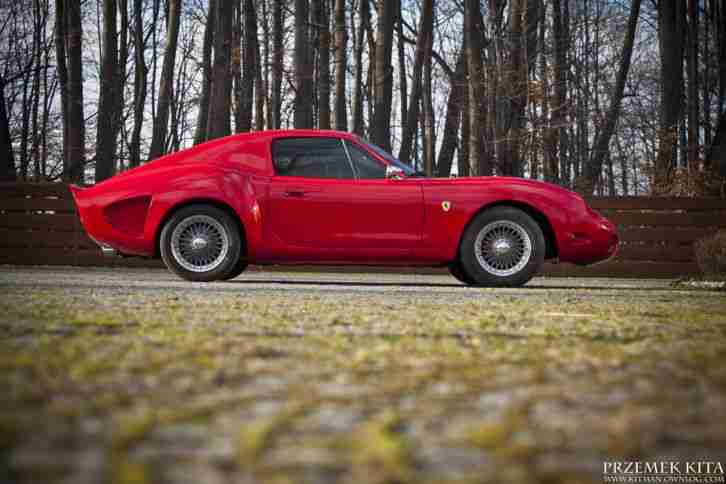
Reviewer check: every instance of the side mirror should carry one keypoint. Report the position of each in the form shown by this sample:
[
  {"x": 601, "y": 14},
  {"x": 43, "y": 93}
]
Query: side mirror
[{"x": 394, "y": 173}]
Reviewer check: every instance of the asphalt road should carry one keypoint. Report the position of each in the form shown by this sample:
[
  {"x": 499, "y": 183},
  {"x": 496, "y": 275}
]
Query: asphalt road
[{"x": 275, "y": 281}]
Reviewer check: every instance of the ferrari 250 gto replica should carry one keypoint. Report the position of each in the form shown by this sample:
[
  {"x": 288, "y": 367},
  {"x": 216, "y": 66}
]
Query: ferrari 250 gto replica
[{"x": 327, "y": 197}]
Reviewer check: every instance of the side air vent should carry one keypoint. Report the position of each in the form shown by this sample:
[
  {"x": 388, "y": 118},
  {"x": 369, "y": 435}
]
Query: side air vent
[{"x": 129, "y": 215}]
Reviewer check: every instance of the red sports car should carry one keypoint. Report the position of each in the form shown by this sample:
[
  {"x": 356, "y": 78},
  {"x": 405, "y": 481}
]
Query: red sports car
[{"x": 328, "y": 197}]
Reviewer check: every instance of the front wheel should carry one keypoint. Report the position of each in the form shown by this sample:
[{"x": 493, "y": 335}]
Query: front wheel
[
  {"x": 503, "y": 246},
  {"x": 201, "y": 243},
  {"x": 456, "y": 270}
]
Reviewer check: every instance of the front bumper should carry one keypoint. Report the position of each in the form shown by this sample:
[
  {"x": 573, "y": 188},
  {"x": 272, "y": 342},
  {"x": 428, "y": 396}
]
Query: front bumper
[{"x": 591, "y": 242}]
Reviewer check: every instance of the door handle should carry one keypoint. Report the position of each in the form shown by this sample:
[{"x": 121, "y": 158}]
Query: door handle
[
  {"x": 298, "y": 192},
  {"x": 295, "y": 193}
]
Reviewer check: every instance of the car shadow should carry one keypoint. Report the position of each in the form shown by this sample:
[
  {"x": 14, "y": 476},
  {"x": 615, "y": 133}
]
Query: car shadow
[
  {"x": 352, "y": 282},
  {"x": 299, "y": 282}
]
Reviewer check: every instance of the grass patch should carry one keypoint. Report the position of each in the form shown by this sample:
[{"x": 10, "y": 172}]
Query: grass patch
[{"x": 526, "y": 385}]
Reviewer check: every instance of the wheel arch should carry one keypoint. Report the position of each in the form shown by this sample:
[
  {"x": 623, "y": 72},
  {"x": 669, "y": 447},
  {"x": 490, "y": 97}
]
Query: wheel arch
[
  {"x": 551, "y": 248},
  {"x": 200, "y": 201}
]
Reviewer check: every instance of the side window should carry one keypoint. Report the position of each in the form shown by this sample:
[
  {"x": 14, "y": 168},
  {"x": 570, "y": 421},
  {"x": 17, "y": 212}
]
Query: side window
[
  {"x": 311, "y": 158},
  {"x": 367, "y": 166}
]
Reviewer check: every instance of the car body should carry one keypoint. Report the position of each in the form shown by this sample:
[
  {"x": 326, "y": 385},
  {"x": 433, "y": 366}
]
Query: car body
[{"x": 295, "y": 201}]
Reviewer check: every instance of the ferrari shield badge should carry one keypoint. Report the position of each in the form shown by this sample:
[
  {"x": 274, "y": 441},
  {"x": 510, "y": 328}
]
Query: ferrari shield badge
[{"x": 446, "y": 205}]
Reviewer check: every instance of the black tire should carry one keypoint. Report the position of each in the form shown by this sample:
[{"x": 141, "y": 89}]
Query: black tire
[
  {"x": 236, "y": 270},
  {"x": 511, "y": 248},
  {"x": 222, "y": 230},
  {"x": 458, "y": 273}
]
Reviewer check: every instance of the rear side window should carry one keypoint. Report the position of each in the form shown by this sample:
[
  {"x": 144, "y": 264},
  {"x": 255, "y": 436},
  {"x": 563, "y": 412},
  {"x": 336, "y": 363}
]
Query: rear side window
[
  {"x": 311, "y": 158},
  {"x": 367, "y": 166}
]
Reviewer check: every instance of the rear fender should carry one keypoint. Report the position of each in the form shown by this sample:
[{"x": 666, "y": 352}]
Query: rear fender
[{"x": 228, "y": 188}]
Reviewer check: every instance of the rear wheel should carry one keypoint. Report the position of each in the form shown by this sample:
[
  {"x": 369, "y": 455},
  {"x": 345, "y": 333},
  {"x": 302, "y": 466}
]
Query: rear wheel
[
  {"x": 456, "y": 270},
  {"x": 503, "y": 246},
  {"x": 201, "y": 243}
]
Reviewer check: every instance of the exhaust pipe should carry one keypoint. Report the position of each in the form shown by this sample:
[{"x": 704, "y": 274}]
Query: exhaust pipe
[{"x": 108, "y": 251}]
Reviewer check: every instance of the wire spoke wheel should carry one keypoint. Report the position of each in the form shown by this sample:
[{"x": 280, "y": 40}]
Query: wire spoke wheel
[
  {"x": 503, "y": 248},
  {"x": 199, "y": 243}
]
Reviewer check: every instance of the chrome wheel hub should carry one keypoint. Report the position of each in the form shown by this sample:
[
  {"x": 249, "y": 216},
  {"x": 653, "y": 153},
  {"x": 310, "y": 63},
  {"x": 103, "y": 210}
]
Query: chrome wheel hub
[
  {"x": 199, "y": 243},
  {"x": 503, "y": 248}
]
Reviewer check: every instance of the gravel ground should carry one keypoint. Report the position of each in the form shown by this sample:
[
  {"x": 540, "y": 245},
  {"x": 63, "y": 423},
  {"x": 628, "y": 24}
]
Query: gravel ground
[{"x": 134, "y": 376}]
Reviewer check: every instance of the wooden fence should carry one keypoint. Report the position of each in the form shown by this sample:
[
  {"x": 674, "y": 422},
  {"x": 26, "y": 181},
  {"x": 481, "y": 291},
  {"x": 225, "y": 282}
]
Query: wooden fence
[{"x": 39, "y": 225}]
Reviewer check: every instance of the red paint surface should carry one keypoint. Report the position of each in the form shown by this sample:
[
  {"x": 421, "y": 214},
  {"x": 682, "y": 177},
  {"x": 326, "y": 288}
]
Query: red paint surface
[{"x": 306, "y": 220}]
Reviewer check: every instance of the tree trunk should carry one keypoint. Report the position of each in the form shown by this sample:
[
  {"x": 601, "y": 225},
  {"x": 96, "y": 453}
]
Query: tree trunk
[
  {"x": 200, "y": 134},
  {"x": 383, "y": 96},
  {"x": 453, "y": 114},
  {"x": 276, "y": 95},
  {"x": 140, "y": 74},
  {"x": 108, "y": 95},
  {"x": 250, "y": 66},
  {"x": 62, "y": 73},
  {"x": 7, "y": 161},
  {"x": 166, "y": 83},
  {"x": 341, "y": 46},
  {"x": 123, "y": 57},
  {"x": 303, "y": 116},
  {"x": 260, "y": 89},
  {"x": 323, "y": 25},
  {"x": 73, "y": 171},
  {"x": 717, "y": 150},
  {"x": 671, "y": 17},
  {"x": 472, "y": 35},
  {"x": 219, "y": 101},
  {"x": 422, "y": 56},
  {"x": 693, "y": 103},
  {"x": 510, "y": 164},
  {"x": 592, "y": 170},
  {"x": 429, "y": 123},
  {"x": 402, "y": 75},
  {"x": 238, "y": 86},
  {"x": 559, "y": 108},
  {"x": 364, "y": 15},
  {"x": 37, "y": 67}
]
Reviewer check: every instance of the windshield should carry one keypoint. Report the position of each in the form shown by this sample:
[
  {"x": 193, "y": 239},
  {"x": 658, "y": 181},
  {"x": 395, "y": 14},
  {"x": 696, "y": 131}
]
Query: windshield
[{"x": 388, "y": 157}]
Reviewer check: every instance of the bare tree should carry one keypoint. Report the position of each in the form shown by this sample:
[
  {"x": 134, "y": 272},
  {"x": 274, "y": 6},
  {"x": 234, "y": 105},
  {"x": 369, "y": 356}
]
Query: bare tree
[
  {"x": 73, "y": 170},
  {"x": 510, "y": 162},
  {"x": 363, "y": 26},
  {"x": 62, "y": 72},
  {"x": 303, "y": 116},
  {"x": 140, "y": 74},
  {"x": 323, "y": 78},
  {"x": 200, "y": 134},
  {"x": 166, "y": 83},
  {"x": 457, "y": 93},
  {"x": 246, "y": 89},
  {"x": 108, "y": 95},
  {"x": 220, "y": 95},
  {"x": 472, "y": 34},
  {"x": 693, "y": 95},
  {"x": 383, "y": 98},
  {"x": 7, "y": 166},
  {"x": 341, "y": 72},
  {"x": 671, "y": 18},
  {"x": 277, "y": 55},
  {"x": 422, "y": 56},
  {"x": 586, "y": 183}
]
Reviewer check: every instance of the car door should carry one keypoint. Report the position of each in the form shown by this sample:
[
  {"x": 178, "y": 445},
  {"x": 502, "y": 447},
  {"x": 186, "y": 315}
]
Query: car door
[{"x": 317, "y": 200}]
